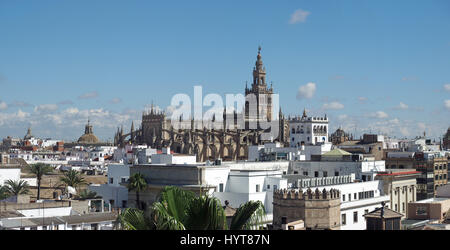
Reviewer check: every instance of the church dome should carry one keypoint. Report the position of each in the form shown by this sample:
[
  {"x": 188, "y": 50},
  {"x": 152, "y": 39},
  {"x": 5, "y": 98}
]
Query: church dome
[{"x": 88, "y": 138}]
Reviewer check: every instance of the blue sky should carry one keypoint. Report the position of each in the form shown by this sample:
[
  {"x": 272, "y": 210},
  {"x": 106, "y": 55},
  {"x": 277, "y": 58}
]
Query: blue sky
[{"x": 377, "y": 66}]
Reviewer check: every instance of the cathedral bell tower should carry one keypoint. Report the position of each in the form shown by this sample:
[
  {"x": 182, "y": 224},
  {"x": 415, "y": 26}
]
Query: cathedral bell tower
[{"x": 262, "y": 93}]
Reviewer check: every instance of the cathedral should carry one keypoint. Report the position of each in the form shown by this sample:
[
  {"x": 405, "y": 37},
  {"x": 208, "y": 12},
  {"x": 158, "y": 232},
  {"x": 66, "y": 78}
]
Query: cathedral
[{"x": 230, "y": 142}]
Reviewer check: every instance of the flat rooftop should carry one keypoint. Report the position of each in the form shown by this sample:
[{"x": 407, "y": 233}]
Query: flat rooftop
[{"x": 433, "y": 200}]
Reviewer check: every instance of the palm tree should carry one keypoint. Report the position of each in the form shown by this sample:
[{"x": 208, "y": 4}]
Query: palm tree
[
  {"x": 3, "y": 192},
  {"x": 178, "y": 209},
  {"x": 40, "y": 169},
  {"x": 137, "y": 183},
  {"x": 14, "y": 188},
  {"x": 72, "y": 178}
]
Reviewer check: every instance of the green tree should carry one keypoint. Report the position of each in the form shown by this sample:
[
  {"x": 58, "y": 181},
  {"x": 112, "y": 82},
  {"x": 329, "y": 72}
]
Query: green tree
[
  {"x": 138, "y": 184},
  {"x": 40, "y": 169},
  {"x": 178, "y": 209},
  {"x": 86, "y": 194},
  {"x": 72, "y": 178},
  {"x": 14, "y": 188},
  {"x": 3, "y": 192}
]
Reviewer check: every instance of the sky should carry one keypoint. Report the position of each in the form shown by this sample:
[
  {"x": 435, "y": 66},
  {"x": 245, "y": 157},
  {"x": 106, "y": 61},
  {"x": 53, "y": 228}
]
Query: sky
[{"x": 370, "y": 66}]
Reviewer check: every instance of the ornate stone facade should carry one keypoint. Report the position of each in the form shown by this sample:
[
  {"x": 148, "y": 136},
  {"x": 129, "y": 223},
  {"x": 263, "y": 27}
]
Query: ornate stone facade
[
  {"x": 229, "y": 142},
  {"x": 339, "y": 136}
]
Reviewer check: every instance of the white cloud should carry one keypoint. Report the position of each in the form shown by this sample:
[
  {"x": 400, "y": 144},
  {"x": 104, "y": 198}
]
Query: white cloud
[
  {"x": 45, "y": 108},
  {"x": 71, "y": 111},
  {"x": 394, "y": 121},
  {"x": 404, "y": 131},
  {"x": 306, "y": 91},
  {"x": 447, "y": 87},
  {"x": 3, "y": 105},
  {"x": 342, "y": 117},
  {"x": 379, "y": 115},
  {"x": 89, "y": 95},
  {"x": 421, "y": 125},
  {"x": 402, "y": 106},
  {"x": 333, "y": 106},
  {"x": 65, "y": 102},
  {"x": 447, "y": 104},
  {"x": 299, "y": 16}
]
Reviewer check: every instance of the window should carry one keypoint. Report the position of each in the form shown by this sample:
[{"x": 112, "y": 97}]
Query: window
[
  {"x": 316, "y": 173},
  {"x": 355, "y": 217},
  {"x": 123, "y": 180},
  {"x": 344, "y": 219},
  {"x": 421, "y": 211},
  {"x": 268, "y": 186},
  {"x": 343, "y": 197},
  {"x": 305, "y": 173},
  {"x": 354, "y": 196},
  {"x": 336, "y": 173},
  {"x": 295, "y": 172},
  {"x": 124, "y": 203},
  {"x": 275, "y": 187},
  {"x": 111, "y": 180},
  {"x": 436, "y": 177},
  {"x": 403, "y": 207},
  {"x": 366, "y": 211},
  {"x": 257, "y": 188},
  {"x": 396, "y": 208},
  {"x": 221, "y": 187},
  {"x": 325, "y": 174},
  {"x": 349, "y": 197}
]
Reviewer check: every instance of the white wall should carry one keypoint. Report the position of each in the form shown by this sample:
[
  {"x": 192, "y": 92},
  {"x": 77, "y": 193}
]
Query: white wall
[
  {"x": 47, "y": 212},
  {"x": 9, "y": 174}
]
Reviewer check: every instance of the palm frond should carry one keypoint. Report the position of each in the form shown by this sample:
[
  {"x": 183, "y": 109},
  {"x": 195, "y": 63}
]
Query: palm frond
[
  {"x": 133, "y": 219},
  {"x": 206, "y": 213},
  {"x": 177, "y": 201},
  {"x": 163, "y": 220},
  {"x": 248, "y": 216},
  {"x": 17, "y": 187}
]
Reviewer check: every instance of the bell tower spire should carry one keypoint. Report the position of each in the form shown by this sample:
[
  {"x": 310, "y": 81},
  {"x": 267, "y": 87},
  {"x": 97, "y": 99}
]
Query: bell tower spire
[{"x": 259, "y": 71}]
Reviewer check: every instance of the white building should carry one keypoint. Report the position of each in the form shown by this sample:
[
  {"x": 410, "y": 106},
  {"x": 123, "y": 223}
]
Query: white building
[
  {"x": 357, "y": 198},
  {"x": 168, "y": 158},
  {"x": 308, "y": 130},
  {"x": 57, "y": 217},
  {"x": 363, "y": 170},
  {"x": 255, "y": 181},
  {"x": 113, "y": 193}
]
